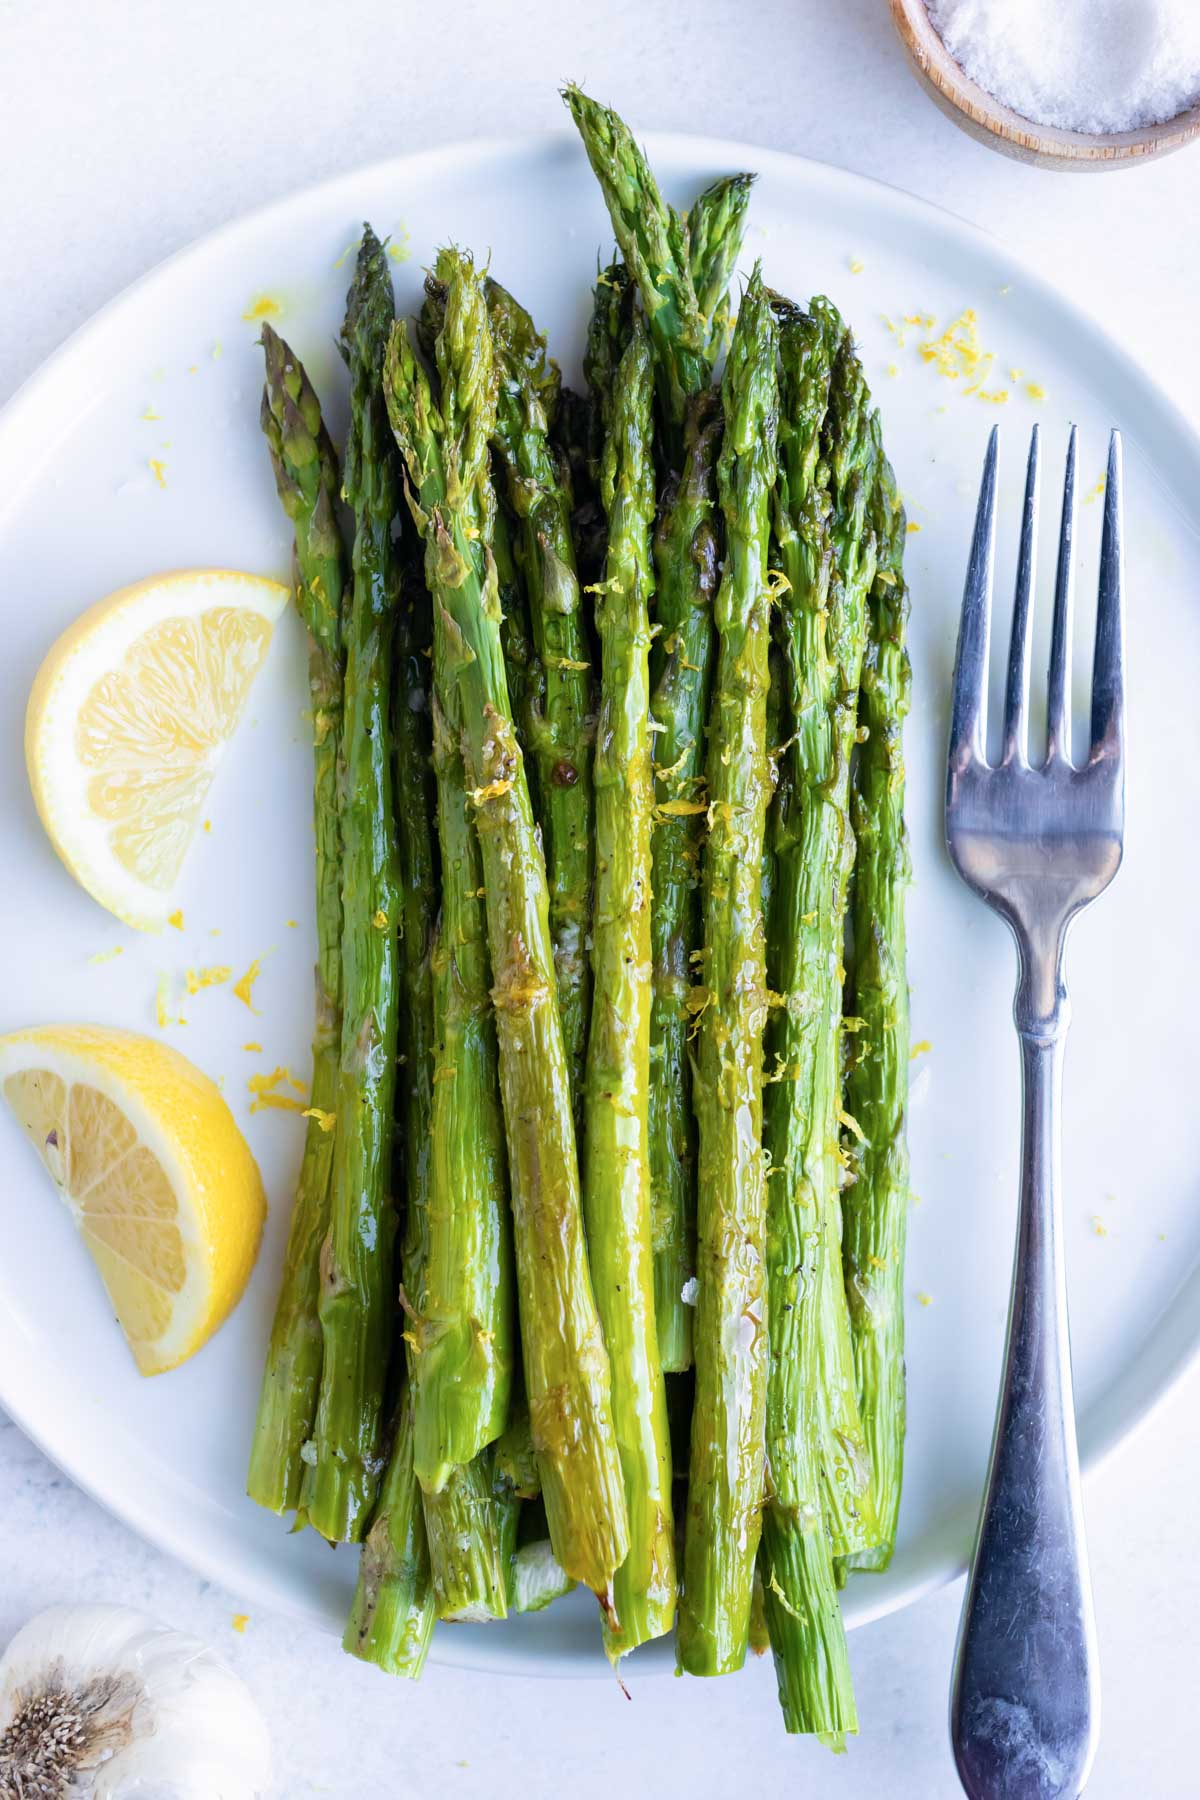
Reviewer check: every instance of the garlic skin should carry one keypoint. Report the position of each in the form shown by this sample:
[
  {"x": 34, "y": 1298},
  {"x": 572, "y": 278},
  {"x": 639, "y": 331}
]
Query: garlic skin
[{"x": 103, "y": 1703}]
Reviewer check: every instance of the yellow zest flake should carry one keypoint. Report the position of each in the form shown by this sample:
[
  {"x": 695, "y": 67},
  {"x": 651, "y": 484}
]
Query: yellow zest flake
[
  {"x": 103, "y": 956},
  {"x": 777, "y": 584},
  {"x": 348, "y": 251},
  {"x": 492, "y": 791},
  {"x": 892, "y": 370},
  {"x": 244, "y": 988},
  {"x": 856, "y": 265},
  {"x": 1015, "y": 374},
  {"x": 1098, "y": 1226},
  {"x": 176, "y": 918},
  {"x": 162, "y": 1005},
  {"x": 263, "y": 306},
  {"x": 912, "y": 526},
  {"x": 1035, "y": 390},
  {"x": 398, "y": 248},
  {"x": 920, "y": 1049},
  {"x": 214, "y": 976},
  {"x": 1096, "y": 493},
  {"x": 208, "y": 824},
  {"x": 160, "y": 471},
  {"x": 682, "y": 809},
  {"x": 380, "y": 920},
  {"x": 925, "y": 1299},
  {"x": 240, "y": 1621},
  {"x": 216, "y": 351},
  {"x": 958, "y": 353},
  {"x": 852, "y": 1125},
  {"x": 326, "y": 1120},
  {"x": 566, "y": 662},
  {"x": 877, "y": 1262},
  {"x": 150, "y": 415},
  {"x": 266, "y": 1095},
  {"x": 292, "y": 924},
  {"x": 252, "y": 1046}
]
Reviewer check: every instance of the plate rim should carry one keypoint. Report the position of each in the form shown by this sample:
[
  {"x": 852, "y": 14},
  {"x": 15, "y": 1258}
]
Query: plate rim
[{"x": 1170, "y": 1362}]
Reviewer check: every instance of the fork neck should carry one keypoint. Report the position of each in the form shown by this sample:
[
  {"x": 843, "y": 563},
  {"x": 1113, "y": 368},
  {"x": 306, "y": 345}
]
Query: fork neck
[{"x": 1041, "y": 1006}]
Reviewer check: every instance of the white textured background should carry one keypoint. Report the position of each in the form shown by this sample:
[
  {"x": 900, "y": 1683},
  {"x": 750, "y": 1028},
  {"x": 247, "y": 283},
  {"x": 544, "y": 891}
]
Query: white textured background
[{"x": 129, "y": 127}]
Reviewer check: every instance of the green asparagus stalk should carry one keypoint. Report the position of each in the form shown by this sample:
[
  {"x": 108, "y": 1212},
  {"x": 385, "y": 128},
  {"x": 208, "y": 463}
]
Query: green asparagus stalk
[
  {"x": 687, "y": 561},
  {"x": 607, "y": 335},
  {"x": 356, "y": 1287},
  {"x": 875, "y": 1205},
  {"x": 468, "y": 1556},
  {"x": 616, "y": 1168},
  {"x": 572, "y": 438},
  {"x": 307, "y": 478},
  {"x": 850, "y": 447},
  {"x": 522, "y": 668},
  {"x": 540, "y": 497},
  {"x": 535, "y": 1579},
  {"x": 818, "y": 633},
  {"x": 417, "y": 865},
  {"x": 653, "y": 242},
  {"x": 392, "y": 1617},
  {"x": 725, "y": 1488},
  {"x": 463, "y": 1340},
  {"x": 566, "y": 1366},
  {"x": 716, "y": 224}
]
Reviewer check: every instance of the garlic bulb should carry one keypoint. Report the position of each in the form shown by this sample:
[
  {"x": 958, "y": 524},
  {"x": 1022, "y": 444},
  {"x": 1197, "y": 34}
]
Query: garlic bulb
[{"x": 101, "y": 1703}]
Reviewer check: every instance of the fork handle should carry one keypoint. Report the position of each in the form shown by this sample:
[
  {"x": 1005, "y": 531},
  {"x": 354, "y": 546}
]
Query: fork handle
[{"x": 1025, "y": 1707}]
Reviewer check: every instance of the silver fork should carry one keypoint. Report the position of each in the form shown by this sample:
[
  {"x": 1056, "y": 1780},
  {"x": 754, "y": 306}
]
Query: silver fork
[{"x": 1037, "y": 843}]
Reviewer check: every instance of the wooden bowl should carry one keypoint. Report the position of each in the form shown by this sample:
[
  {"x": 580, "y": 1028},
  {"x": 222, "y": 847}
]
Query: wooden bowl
[{"x": 995, "y": 124}]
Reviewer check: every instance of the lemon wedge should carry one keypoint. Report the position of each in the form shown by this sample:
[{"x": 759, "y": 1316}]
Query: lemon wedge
[
  {"x": 127, "y": 720},
  {"x": 159, "y": 1179}
]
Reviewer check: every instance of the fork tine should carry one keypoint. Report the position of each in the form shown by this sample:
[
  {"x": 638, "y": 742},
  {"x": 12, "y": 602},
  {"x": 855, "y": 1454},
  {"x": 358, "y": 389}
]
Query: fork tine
[
  {"x": 1058, "y": 704},
  {"x": 1108, "y": 674},
  {"x": 968, "y": 725},
  {"x": 1016, "y": 695}
]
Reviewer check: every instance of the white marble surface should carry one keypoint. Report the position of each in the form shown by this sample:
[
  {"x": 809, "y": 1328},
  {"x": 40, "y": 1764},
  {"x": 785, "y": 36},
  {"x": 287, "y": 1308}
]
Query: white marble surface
[{"x": 125, "y": 131}]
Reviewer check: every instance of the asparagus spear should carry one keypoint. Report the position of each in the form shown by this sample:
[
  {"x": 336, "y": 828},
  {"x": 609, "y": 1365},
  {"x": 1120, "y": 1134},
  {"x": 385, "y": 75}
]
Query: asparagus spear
[
  {"x": 391, "y": 1620},
  {"x": 566, "y": 1366},
  {"x": 307, "y": 478},
  {"x": 716, "y": 224},
  {"x": 463, "y": 1341},
  {"x": 653, "y": 241},
  {"x": 725, "y": 1488},
  {"x": 616, "y": 1173},
  {"x": 356, "y": 1261},
  {"x": 526, "y": 680},
  {"x": 469, "y": 1558},
  {"x": 417, "y": 865},
  {"x": 876, "y": 1204},
  {"x": 687, "y": 561},
  {"x": 540, "y": 498},
  {"x": 850, "y": 445},
  {"x": 818, "y": 633}
]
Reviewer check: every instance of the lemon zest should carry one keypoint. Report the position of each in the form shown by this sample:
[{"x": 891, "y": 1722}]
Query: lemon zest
[
  {"x": 263, "y": 306},
  {"x": 214, "y": 976},
  {"x": 244, "y": 988}
]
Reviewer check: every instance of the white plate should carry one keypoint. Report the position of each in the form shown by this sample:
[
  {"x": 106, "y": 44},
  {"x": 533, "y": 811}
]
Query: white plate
[{"x": 82, "y": 511}]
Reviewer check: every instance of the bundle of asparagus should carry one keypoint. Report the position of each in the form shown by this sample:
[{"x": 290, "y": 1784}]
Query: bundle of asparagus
[{"x": 607, "y": 703}]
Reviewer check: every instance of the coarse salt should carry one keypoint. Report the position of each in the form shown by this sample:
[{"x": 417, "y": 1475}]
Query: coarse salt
[{"x": 1093, "y": 66}]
